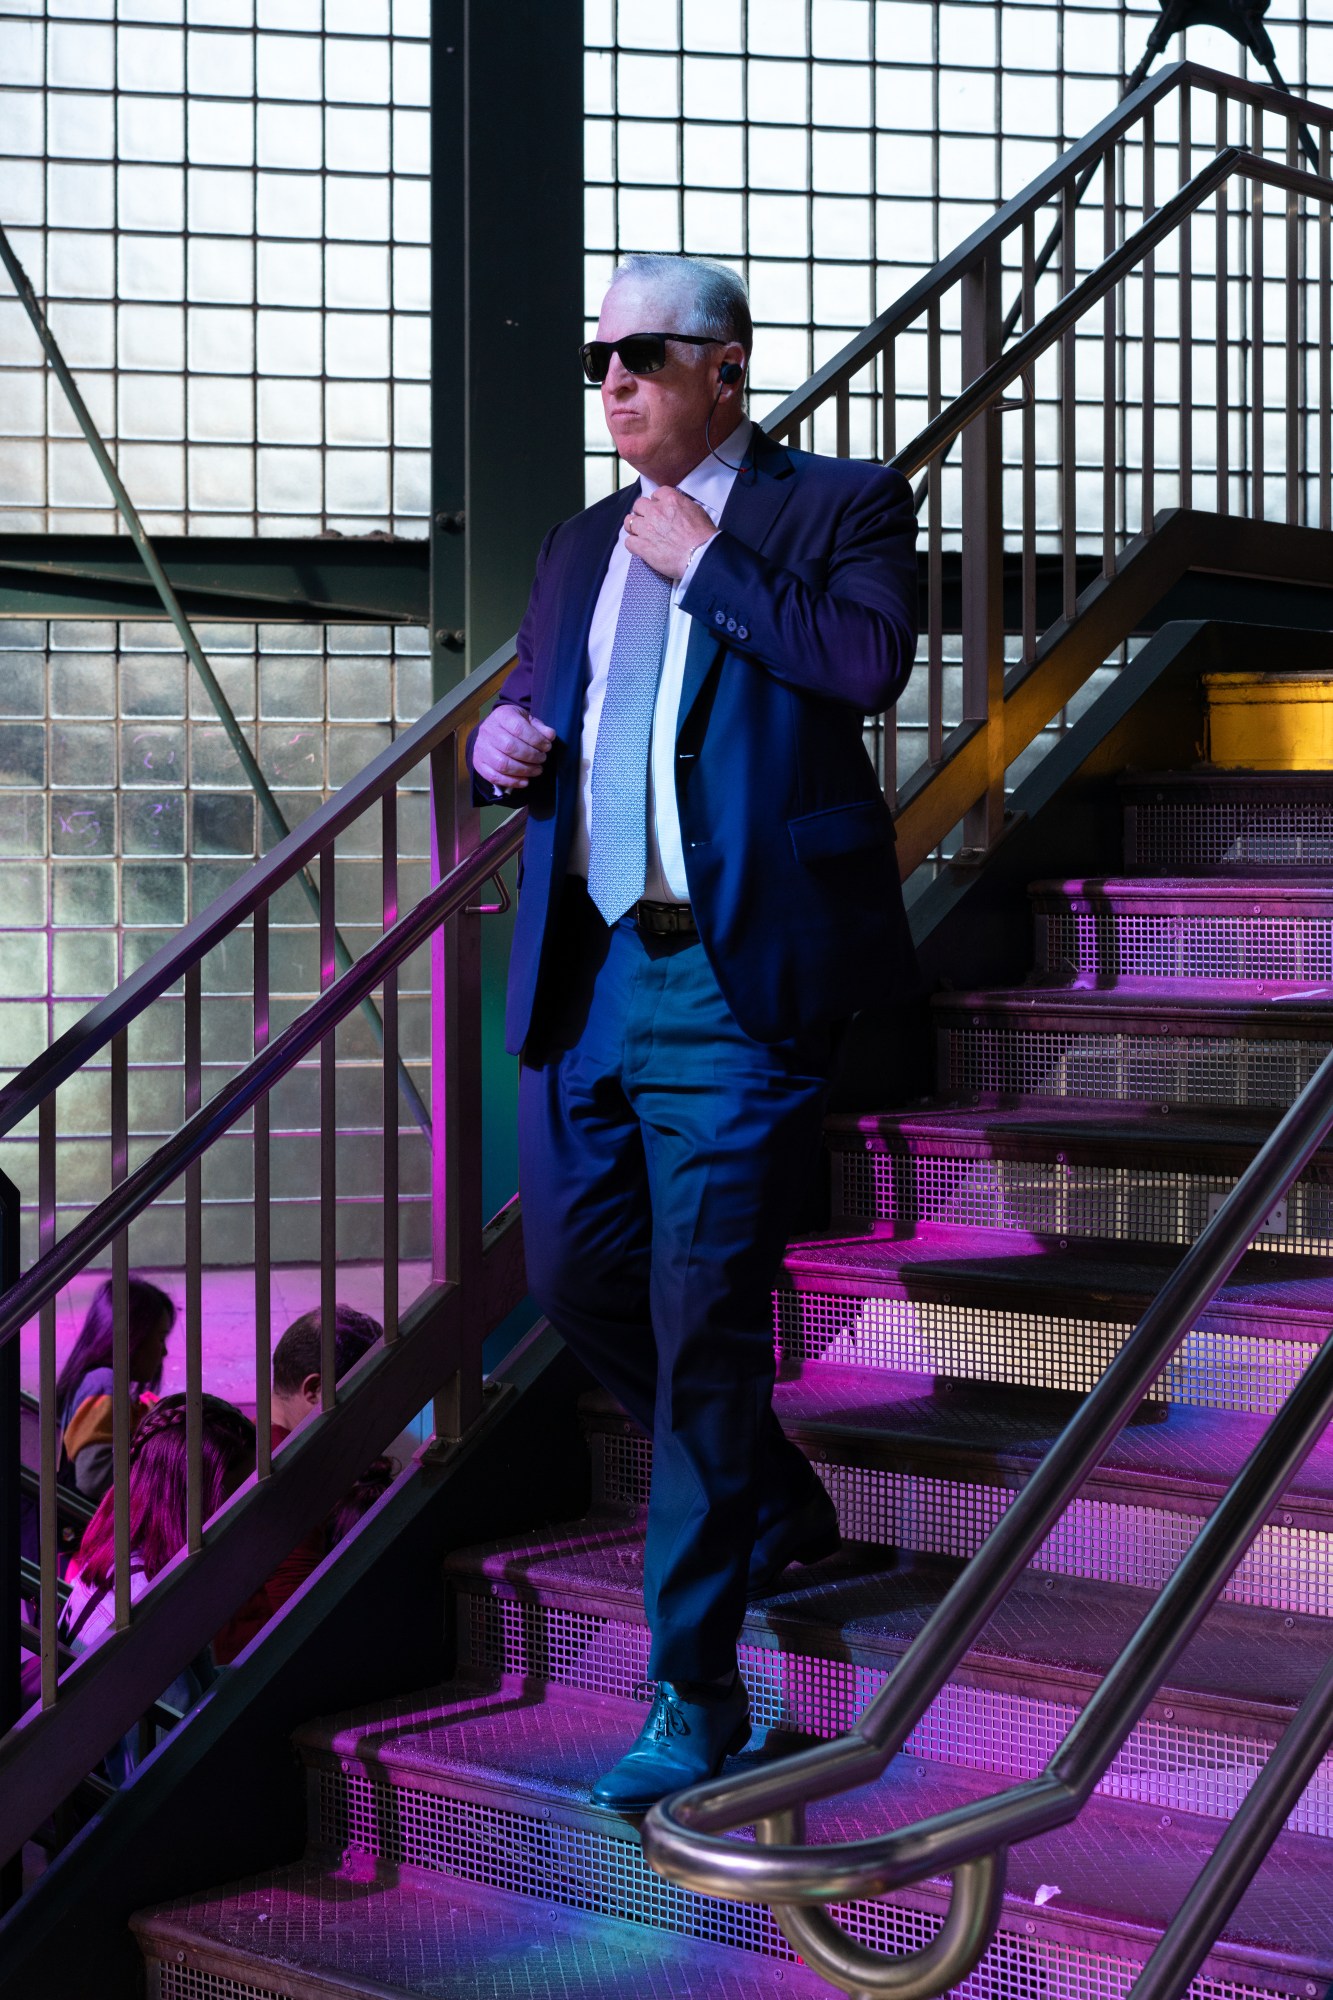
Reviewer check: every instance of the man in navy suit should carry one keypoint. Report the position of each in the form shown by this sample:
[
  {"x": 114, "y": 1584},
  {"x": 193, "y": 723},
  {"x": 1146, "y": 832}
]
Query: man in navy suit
[{"x": 709, "y": 891}]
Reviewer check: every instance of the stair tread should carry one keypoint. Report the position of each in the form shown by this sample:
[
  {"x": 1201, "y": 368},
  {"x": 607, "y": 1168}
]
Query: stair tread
[
  {"x": 1191, "y": 888},
  {"x": 1106, "y": 1281},
  {"x": 1120, "y": 1864},
  {"x": 1196, "y": 1451},
  {"x": 368, "y": 1934},
  {"x": 1047, "y": 1123},
  {"x": 867, "y": 1604},
  {"x": 1264, "y": 1004},
  {"x": 1227, "y": 777}
]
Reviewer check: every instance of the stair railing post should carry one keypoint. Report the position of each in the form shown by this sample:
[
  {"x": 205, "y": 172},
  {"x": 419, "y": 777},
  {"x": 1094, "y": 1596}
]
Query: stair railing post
[
  {"x": 456, "y": 1093},
  {"x": 11, "y": 1873},
  {"x": 983, "y": 551}
]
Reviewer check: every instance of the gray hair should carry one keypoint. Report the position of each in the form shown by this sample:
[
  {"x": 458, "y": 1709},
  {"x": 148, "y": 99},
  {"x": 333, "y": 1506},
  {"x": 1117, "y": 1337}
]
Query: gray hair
[{"x": 716, "y": 296}]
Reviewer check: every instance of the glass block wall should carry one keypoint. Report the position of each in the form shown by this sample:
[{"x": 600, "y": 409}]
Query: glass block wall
[
  {"x": 123, "y": 812},
  {"x": 225, "y": 204}
]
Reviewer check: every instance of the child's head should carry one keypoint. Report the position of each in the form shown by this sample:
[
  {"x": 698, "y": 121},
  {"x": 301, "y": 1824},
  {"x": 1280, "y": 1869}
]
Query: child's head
[
  {"x": 150, "y": 1316},
  {"x": 296, "y": 1359},
  {"x": 358, "y": 1500},
  {"x": 159, "y": 1484}
]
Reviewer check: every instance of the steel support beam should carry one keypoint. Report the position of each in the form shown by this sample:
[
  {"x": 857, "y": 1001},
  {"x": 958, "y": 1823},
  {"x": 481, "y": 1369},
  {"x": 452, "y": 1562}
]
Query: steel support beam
[
  {"x": 507, "y": 311},
  {"x": 228, "y": 577}
]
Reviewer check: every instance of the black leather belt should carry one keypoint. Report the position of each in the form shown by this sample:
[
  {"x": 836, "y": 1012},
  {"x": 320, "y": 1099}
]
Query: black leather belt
[{"x": 665, "y": 919}]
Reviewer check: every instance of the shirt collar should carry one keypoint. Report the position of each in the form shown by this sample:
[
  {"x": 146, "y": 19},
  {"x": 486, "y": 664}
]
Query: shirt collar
[{"x": 711, "y": 480}]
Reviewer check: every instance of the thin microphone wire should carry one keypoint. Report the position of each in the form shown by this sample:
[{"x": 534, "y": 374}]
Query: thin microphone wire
[{"x": 744, "y": 465}]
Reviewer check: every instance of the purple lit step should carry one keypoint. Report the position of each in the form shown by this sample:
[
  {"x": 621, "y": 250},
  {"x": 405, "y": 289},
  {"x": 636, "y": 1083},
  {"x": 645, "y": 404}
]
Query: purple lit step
[
  {"x": 1041, "y": 1313},
  {"x": 1233, "y": 819},
  {"x": 308, "y": 1933},
  {"x": 1266, "y": 935},
  {"x": 916, "y": 1489},
  {"x": 568, "y": 1614},
  {"x": 1194, "y": 1043},
  {"x": 1130, "y": 1174},
  {"x": 311, "y": 1931},
  {"x": 1117, "y": 1871}
]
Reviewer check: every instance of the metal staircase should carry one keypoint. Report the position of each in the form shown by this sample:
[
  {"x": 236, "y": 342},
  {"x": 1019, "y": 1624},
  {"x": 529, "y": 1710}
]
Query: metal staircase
[
  {"x": 992, "y": 1255},
  {"x": 992, "y": 1250}
]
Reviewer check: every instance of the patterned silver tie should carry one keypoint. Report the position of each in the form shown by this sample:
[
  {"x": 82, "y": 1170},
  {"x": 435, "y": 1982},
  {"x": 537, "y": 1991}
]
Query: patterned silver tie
[{"x": 618, "y": 836}]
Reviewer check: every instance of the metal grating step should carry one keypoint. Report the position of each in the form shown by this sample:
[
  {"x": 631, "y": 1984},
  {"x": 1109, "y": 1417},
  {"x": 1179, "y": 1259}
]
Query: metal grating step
[
  {"x": 1264, "y": 934},
  {"x": 542, "y": 1839},
  {"x": 310, "y": 1931},
  {"x": 304, "y": 1933},
  {"x": 1199, "y": 1045},
  {"x": 986, "y": 1306},
  {"x": 814, "y": 1655},
  {"x": 1207, "y": 819},
  {"x": 1130, "y": 1175},
  {"x": 904, "y": 1474}
]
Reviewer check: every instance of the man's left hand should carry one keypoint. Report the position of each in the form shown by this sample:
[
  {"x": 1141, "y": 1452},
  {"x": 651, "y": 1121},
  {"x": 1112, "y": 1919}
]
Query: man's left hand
[{"x": 665, "y": 528}]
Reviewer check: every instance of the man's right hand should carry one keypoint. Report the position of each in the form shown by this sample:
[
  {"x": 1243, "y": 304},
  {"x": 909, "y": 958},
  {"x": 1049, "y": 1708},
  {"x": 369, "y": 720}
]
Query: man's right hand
[{"x": 510, "y": 748}]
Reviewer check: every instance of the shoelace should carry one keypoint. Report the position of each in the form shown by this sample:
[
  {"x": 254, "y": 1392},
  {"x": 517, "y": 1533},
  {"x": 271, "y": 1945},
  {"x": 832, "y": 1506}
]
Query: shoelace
[{"x": 667, "y": 1718}]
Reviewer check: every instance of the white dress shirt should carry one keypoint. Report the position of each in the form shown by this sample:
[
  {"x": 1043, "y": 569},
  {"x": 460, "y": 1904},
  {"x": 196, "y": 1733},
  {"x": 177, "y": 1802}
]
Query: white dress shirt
[{"x": 709, "y": 485}]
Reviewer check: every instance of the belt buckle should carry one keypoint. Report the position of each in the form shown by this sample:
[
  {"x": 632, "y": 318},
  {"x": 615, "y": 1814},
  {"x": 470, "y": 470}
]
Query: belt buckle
[{"x": 665, "y": 919}]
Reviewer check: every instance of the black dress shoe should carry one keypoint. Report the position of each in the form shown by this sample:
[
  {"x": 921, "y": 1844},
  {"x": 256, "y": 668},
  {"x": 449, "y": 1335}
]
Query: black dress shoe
[
  {"x": 682, "y": 1742},
  {"x": 807, "y": 1535}
]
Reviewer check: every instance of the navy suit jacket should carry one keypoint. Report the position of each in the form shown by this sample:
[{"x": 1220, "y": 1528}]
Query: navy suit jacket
[{"x": 805, "y": 622}]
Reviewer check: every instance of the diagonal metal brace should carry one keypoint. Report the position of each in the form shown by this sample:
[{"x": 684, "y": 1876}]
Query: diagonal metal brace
[{"x": 129, "y": 513}]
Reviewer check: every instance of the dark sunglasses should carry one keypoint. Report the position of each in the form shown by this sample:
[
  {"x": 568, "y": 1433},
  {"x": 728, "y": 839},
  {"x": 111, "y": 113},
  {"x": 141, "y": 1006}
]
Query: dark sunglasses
[{"x": 641, "y": 353}]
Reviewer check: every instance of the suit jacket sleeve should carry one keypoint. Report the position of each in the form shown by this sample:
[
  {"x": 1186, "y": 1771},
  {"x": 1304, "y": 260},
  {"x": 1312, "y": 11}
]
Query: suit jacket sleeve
[
  {"x": 517, "y": 688},
  {"x": 854, "y": 639}
]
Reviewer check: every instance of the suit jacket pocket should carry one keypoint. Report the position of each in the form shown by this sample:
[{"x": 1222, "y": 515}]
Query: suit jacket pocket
[{"x": 834, "y": 831}]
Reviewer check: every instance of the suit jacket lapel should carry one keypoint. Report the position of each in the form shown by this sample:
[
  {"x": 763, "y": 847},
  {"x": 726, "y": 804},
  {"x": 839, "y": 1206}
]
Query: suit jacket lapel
[{"x": 753, "y": 505}]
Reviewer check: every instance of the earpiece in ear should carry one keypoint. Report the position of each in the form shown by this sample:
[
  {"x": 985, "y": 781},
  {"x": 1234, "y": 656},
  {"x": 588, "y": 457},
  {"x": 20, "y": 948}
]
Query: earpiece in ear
[{"x": 729, "y": 372}]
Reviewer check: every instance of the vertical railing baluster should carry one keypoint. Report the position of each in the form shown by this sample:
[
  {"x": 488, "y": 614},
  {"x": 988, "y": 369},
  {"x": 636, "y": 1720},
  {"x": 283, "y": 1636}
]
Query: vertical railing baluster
[
  {"x": 263, "y": 1186},
  {"x": 1148, "y": 372},
  {"x": 889, "y": 443},
  {"x": 983, "y": 552},
  {"x": 328, "y": 1141},
  {"x": 889, "y": 358},
  {"x": 120, "y": 1340},
  {"x": 1293, "y": 290},
  {"x": 194, "y": 1261},
  {"x": 1110, "y": 457},
  {"x": 443, "y": 1216},
  {"x": 389, "y": 1006},
  {"x": 1028, "y": 557},
  {"x": 1185, "y": 328},
  {"x": 934, "y": 555},
  {"x": 1221, "y": 279},
  {"x": 456, "y": 1106},
  {"x": 1325, "y": 344},
  {"x": 1068, "y": 418},
  {"x": 843, "y": 417},
  {"x": 1325, "y": 347},
  {"x": 48, "y": 1523},
  {"x": 12, "y": 1604},
  {"x": 1257, "y": 463}
]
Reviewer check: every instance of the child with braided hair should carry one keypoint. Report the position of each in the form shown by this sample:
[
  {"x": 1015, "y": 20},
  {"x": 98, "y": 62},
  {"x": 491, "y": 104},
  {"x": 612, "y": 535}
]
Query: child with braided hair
[{"x": 159, "y": 1489}]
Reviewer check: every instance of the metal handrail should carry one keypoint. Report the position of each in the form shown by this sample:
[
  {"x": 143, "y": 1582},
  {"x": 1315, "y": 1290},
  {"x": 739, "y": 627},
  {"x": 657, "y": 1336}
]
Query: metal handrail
[
  {"x": 957, "y": 310},
  {"x": 684, "y": 1836},
  {"x": 980, "y": 395},
  {"x": 974, "y": 249},
  {"x": 446, "y": 900},
  {"x": 131, "y": 1196},
  {"x": 94, "y": 1030}
]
